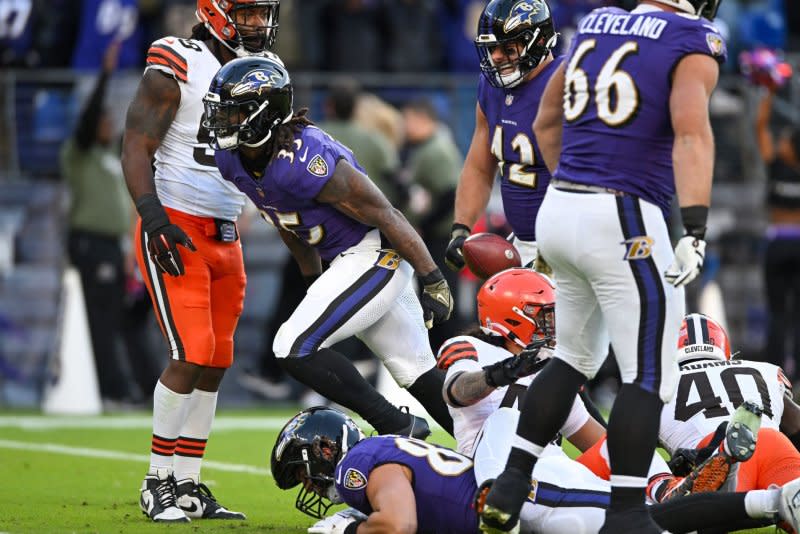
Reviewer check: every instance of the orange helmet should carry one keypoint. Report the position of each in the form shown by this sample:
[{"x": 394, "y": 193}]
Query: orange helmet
[
  {"x": 245, "y": 27},
  {"x": 518, "y": 304},
  {"x": 702, "y": 338}
]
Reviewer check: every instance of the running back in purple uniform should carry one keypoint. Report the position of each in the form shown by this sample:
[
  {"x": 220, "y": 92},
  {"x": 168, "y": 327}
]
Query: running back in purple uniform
[
  {"x": 286, "y": 192},
  {"x": 619, "y": 133},
  {"x": 443, "y": 481},
  {"x": 523, "y": 174},
  {"x": 329, "y": 214}
]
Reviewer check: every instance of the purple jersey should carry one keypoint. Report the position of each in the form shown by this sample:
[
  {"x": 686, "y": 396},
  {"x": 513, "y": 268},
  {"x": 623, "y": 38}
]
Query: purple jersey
[
  {"x": 443, "y": 481},
  {"x": 286, "y": 193},
  {"x": 617, "y": 127},
  {"x": 524, "y": 177}
]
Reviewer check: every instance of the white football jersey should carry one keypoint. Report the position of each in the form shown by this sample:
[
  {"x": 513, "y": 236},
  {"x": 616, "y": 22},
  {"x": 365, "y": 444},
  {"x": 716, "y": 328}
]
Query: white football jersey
[
  {"x": 709, "y": 391},
  {"x": 186, "y": 174},
  {"x": 467, "y": 353}
]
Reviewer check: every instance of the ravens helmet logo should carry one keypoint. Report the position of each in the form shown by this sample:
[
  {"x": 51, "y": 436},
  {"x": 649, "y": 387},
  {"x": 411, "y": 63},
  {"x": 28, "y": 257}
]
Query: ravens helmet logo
[
  {"x": 522, "y": 14},
  {"x": 256, "y": 81}
]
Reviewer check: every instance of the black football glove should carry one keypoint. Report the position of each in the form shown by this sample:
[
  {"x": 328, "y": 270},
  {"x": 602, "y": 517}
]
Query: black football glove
[
  {"x": 163, "y": 236},
  {"x": 526, "y": 363},
  {"x": 454, "y": 256},
  {"x": 436, "y": 300}
]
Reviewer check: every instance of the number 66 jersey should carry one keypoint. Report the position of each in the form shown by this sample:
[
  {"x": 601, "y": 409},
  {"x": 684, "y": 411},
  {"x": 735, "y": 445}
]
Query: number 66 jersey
[
  {"x": 186, "y": 174},
  {"x": 710, "y": 390}
]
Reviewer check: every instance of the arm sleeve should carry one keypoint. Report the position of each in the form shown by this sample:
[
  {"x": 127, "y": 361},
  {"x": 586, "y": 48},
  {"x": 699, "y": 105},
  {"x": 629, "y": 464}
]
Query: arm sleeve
[
  {"x": 90, "y": 116},
  {"x": 454, "y": 351},
  {"x": 163, "y": 57}
]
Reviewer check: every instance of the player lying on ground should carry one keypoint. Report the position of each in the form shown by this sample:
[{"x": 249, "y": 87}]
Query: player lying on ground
[{"x": 400, "y": 484}]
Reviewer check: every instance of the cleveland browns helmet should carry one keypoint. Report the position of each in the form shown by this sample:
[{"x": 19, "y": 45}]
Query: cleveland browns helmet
[
  {"x": 523, "y": 30},
  {"x": 307, "y": 451},
  {"x": 519, "y": 305},
  {"x": 245, "y": 27},
  {"x": 701, "y": 8},
  {"x": 247, "y": 99},
  {"x": 701, "y": 338}
]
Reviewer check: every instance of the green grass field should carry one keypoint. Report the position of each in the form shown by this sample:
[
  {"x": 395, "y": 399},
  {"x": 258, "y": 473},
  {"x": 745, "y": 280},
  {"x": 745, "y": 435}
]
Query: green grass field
[{"x": 82, "y": 474}]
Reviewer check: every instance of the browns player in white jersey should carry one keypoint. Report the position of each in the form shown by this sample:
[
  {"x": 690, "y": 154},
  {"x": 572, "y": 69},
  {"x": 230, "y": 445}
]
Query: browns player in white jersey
[
  {"x": 489, "y": 371},
  {"x": 711, "y": 387},
  {"x": 198, "y": 289}
]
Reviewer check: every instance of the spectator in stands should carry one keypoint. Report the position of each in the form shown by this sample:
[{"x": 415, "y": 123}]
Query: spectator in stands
[
  {"x": 412, "y": 36},
  {"x": 104, "y": 22},
  {"x": 433, "y": 166},
  {"x": 99, "y": 223},
  {"x": 782, "y": 262}
]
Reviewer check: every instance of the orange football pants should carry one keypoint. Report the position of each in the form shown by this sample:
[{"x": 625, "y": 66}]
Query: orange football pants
[{"x": 197, "y": 312}]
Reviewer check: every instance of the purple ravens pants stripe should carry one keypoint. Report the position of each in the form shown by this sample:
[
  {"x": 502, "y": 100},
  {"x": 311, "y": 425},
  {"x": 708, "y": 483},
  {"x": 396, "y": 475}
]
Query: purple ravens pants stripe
[
  {"x": 652, "y": 301},
  {"x": 341, "y": 310}
]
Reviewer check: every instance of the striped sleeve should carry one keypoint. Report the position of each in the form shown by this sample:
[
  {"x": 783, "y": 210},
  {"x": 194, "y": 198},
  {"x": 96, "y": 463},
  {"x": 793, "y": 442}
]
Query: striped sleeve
[
  {"x": 454, "y": 351},
  {"x": 165, "y": 58},
  {"x": 787, "y": 384}
]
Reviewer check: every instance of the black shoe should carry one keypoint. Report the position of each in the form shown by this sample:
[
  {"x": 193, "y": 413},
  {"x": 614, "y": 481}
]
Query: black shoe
[
  {"x": 197, "y": 502},
  {"x": 504, "y": 501},
  {"x": 416, "y": 428},
  {"x": 157, "y": 498},
  {"x": 635, "y": 520}
]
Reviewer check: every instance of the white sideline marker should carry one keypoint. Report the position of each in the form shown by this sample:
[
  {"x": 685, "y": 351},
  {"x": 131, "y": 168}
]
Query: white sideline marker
[{"x": 56, "y": 448}]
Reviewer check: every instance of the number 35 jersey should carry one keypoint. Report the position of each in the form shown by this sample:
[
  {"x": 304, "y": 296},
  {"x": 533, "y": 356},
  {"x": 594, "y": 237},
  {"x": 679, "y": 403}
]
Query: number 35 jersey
[
  {"x": 618, "y": 77},
  {"x": 443, "y": 481},
  {"x": 186, "y": 174},
  {"x": 709, "y": 391}
]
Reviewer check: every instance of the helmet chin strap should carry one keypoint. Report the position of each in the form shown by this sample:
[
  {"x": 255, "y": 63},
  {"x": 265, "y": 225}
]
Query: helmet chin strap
[{"x": 269, "y": 133}]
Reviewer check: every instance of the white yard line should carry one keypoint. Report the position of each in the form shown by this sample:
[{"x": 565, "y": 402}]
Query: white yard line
[
  {"x": 222, "y": 423},
  {"x": 56, "y": 448}
]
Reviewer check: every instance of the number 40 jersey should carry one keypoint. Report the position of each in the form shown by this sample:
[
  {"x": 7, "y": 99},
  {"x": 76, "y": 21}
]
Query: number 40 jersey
[
  {"x": 186, "y": 174},
  {"x": 709, "y": 391}
]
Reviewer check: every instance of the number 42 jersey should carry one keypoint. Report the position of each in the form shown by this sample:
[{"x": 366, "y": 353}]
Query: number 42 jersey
[
  {"x": 709, "y": 391},
  {"x": 186, "y": 174}
]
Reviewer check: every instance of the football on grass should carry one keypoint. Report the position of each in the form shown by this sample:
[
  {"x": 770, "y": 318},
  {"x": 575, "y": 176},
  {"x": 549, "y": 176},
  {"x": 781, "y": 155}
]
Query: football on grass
[{"x": 487, "y": 254}]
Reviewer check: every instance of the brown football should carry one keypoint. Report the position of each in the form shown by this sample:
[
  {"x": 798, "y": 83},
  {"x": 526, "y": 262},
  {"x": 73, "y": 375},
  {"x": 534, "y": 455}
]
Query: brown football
[{"x": 487, "y": 254}]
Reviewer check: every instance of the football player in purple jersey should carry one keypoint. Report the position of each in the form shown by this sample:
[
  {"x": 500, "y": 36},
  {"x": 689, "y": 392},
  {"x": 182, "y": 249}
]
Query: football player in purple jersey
[
  {"x": 405, "y": 485},
  {"x": 514, "y": 43},
  {"x": 329, "y": 213},
  {"x": 624, "y": 125}
]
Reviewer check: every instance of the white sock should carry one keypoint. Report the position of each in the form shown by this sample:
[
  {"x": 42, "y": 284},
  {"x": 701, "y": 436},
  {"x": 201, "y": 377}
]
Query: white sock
[
  {"x": 191, "y": 444},
  {"x": 761, "y": 504},
  {"x": 169, "y": 412}
]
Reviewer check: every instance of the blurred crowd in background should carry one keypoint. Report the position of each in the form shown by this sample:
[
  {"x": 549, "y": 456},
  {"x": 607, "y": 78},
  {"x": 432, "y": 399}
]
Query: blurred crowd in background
[{"x": 394, "y": 80}]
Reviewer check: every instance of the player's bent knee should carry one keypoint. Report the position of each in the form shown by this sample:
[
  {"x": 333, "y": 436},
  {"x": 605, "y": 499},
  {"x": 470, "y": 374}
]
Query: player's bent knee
[
  {"x": 588, "y": 367},
  {"x": 406, "y": 371}
]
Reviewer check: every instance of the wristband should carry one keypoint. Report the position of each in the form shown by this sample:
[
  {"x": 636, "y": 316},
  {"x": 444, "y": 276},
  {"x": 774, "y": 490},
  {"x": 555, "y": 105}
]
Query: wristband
[
  {"x": 352, "y": 528},
  {"x": 432, "y": 277},
  {"x": 152, "y": 212},
  {"x": 460, "y": 228},
  {"x": 694, "y": 220}
]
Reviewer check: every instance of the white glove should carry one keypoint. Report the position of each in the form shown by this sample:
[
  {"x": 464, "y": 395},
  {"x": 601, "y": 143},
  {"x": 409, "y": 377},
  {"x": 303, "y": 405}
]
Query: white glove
[
  {"x": 690, "y": 252},
  {"x": 336, "y": 523}
]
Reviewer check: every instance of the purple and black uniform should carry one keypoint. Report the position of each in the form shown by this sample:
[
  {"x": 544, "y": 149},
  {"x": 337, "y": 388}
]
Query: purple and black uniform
[
  {"x": 286, "y": 192},
  {"x": 443, "y": 481},
  {"x": 524, "y": 176},
  {"x": 624, "y": 140}
]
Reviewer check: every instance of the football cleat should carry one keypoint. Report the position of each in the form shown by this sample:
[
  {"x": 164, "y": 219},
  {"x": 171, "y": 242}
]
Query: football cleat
[
  {"x": 157, "y": 498},
  {"x": 738, "y": 446},
  {"x": 789, "y": 506},
  {"x": 501, "y": 505},
  {"x": 196, "y": 501},
  {"x": 416, "y": 428}
]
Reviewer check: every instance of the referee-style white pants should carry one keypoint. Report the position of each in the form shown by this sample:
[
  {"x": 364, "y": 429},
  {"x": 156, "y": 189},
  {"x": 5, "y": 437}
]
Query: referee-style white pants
[{"x": 608, "y": 254}]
